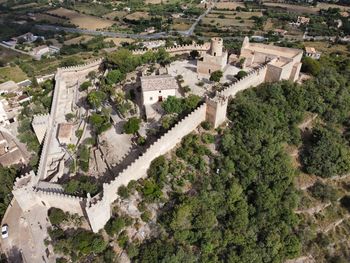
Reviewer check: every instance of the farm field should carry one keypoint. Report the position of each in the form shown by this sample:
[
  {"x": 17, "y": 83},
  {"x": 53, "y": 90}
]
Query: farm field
[
  {"x": 295, "y": 8},
  {"x": 228, "y": 5},
  {"x": 81, "y": 20},
  {"x": 118, "y": 40},
  {"x": 114, "y": 14},
  {"x": 137, "y": 16},
  {"x": 21, "y": 6},
  {"x": 229, "y": 18},
  {"x": 77, "y": 40},
  {"x": 12, "y": 73},
  {"x": 181, "y": 24},
  {"x": 8, "y": 55},
  {"x": 52, "y": 19},
  {"x": 91, "y": 9},
  {"x": 327, "y": 5}
]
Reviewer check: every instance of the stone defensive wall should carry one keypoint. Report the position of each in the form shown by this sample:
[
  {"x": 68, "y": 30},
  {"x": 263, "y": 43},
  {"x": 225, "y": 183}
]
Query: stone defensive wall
[
  {"x": 254, "y": 78},
  {"x": 50, "y": 132},
  {"x": 177, "y": 50},
  {"x": 28, "y": 192},
  {"x": 99, "y": 211},
  {"x": 67, "y": 203},
  {"x": 28, "y": 195}
]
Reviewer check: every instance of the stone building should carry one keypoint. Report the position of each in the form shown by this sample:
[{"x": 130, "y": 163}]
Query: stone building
[
  {"x": 65, "y": 132},
  {"x": 213, "y": 60},
  {"x": 282, "y": 63},
  {"x": 157, "y": 88},
  {"x": 312, "y": 53}
]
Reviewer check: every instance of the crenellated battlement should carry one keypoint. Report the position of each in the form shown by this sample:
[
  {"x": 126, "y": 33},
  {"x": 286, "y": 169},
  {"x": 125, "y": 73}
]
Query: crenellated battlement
[
  {"x": 84, "y": 66},
  {"x": 253, "y": 78},
  {"x": 136, "y": 170},
  {"x": 24, "y": 180},
  {"x": 57, "y": 195},
  {"x": 98, "y": 208},
  {"x": 177, "y": 49}
]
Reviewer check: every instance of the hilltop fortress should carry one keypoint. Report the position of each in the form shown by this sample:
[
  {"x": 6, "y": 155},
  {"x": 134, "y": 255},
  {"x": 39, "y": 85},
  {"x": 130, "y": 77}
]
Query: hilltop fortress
[{"x": 263, "y": 63}]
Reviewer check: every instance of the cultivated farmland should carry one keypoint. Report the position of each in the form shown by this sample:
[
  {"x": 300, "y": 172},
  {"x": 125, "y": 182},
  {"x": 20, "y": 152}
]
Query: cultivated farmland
[{"x": 81, "y": 20}]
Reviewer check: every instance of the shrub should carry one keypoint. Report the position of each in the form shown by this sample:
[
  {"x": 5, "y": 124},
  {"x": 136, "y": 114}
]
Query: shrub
[
  {"x": 216, "y": 76},
  {"x": 241, "y": 74},
  {"x": 323, "y": 192},
  {"x": 206, "y": 125},
  {"x": 207, "y": 138},
  {"x": 146, "y": 216},
  {"x": 123, "y": 192},
  {"x": 310, "y": 66},
  {"x": 132, "y": 125},
  {"x": 85, "y": 85},
  {"x": 114, "y": 226},
  {"x": 56, "y": 216}
]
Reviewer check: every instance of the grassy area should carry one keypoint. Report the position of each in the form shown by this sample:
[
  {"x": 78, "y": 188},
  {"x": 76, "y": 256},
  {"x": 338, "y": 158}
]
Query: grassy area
[
  {"x": 115, "y": 14},
  {"x": 91, "y": 8},
  {"x": 8, "y": 55},
  {"x": 326, "y": 47},
  {"x": 231, "y": 19},
  {"x": 137, "y": 16},
  {"x": 229, "y": 5},
  {"x": 12, "y": 73},
  {"x": 81, "y": 20},
  {"x": 41, "y": 17},
  {"x": 301, "y": 9},
  {"x": 181, "y": 24}
]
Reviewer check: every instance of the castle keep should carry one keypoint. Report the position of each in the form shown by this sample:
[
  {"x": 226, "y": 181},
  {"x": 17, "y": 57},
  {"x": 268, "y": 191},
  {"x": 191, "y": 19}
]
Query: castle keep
[{"x": 213, "y": 60}]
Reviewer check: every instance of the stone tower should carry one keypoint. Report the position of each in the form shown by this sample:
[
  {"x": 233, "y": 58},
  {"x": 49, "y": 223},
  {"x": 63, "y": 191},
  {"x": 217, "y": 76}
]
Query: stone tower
[
  {"x": 216, "y": 110},
  {"x": 216, "y": 47},
  {"x": 245, "y": 43}
]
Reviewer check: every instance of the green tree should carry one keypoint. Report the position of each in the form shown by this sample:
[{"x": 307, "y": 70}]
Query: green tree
[
  {"x": 310, "y": 66},
  {"x": 132, "y": 125},
  {"x": 56, "y": 216},
  {"x": 114, "y": 76},
  {"x": 85, "y": 85},
  {"x": 96, "y": 98},
  {"x": 172, "y": 105},
  {"x": 216, "y": 76},
  {"x": 100, "y": 122},
  {"x": 241, "y": 74},
  {"x": 327, "y": 154}
]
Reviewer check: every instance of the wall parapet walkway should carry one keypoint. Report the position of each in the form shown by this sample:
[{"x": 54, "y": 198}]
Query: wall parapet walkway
[
  {"x": 98, "y": 209},
  {"x": 177, "y": 49}
]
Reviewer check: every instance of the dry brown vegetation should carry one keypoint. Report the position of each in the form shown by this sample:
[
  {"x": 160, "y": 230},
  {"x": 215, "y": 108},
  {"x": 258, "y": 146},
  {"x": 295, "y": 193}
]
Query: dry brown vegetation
[
  {"x": 229, "y": 5},
  {"x": 137, "y": 16},
  {"x": 81, "y": 20}
]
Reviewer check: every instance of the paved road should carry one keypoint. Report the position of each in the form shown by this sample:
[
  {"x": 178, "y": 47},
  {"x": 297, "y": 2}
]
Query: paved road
[{"x": 188, "y": 32}]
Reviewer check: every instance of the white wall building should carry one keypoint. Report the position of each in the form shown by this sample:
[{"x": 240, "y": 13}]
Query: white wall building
[
  {"x": 157, "y": 88},
  {"x": 312, "y": 53}
]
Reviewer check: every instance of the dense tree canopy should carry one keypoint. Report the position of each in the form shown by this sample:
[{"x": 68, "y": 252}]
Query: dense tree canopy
[
  {"x": 241, "y": 207},
  {"x": 327, "y": 153}
]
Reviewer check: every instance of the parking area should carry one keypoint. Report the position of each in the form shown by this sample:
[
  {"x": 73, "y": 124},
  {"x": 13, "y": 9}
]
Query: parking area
[{"x": 27, "y": 230}]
